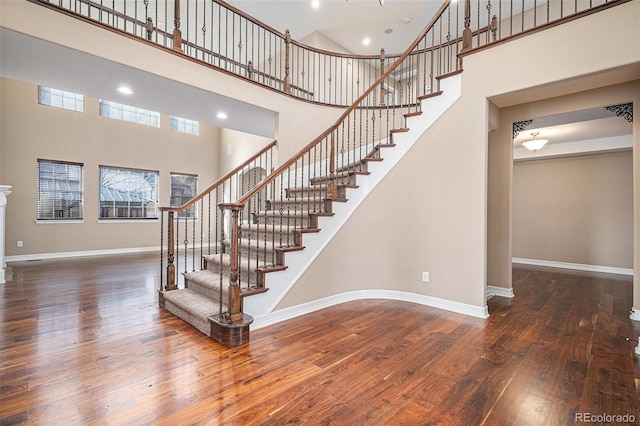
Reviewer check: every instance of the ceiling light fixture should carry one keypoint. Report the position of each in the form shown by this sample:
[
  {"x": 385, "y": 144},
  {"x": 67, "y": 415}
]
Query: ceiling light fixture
[
  {"x": 125, "y": 90},
  {"x": 315, "y": 4},
  {"x": 534, "y": 143},
  {"x": 221, "y": 115},
  {"x": 366, "y": 41},
  {"x": 381, "y": 2}
]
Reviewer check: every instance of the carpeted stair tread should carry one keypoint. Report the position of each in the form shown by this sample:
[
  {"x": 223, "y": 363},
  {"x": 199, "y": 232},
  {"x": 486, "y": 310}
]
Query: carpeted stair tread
[
  {"x": 192, "y": 308},
  {"x": 207, "y": 283}
]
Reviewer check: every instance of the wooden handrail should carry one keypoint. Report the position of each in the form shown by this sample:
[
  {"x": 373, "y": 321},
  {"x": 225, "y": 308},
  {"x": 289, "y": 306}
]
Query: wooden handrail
[
  {"x": 219, "y": 181},
  {"x": 259, "y": 187}
]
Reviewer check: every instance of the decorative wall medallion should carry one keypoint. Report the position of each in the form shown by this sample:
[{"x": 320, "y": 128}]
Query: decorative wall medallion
[
  {"x": 519, "y": 126},
  {"x": 623, "y": 110}
]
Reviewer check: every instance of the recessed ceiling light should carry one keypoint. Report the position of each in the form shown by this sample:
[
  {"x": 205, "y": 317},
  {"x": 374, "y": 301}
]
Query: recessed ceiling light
[
  {"x": 366, "y": 41},
  {"x": 315, "y": 4},
  {"x": 406, "y": 20},
  {"x": 221, "y": 115},
  {"x": 125, "y": 90},
  {"x": 388, "y": 31}
]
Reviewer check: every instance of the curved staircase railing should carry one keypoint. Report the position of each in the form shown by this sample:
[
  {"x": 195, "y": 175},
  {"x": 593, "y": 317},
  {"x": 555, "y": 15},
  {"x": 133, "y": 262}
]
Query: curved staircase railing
[{"x": 288, "y": 203}]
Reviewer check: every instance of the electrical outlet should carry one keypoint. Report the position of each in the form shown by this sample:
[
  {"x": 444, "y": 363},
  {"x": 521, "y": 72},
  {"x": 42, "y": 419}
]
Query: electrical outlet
[
  {"x": 425, "y": 277},
  {"x": 19, "y": 243}
]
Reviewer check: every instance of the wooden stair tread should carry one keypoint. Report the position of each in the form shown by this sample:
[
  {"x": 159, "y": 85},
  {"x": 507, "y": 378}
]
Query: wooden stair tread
[
  {"x": 252, "y": 291},
  {"x": 429, "y": 95}
]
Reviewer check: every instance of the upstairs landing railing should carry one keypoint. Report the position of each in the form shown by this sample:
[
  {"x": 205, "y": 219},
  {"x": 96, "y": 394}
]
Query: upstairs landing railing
[{"x": 216, "y": 33}]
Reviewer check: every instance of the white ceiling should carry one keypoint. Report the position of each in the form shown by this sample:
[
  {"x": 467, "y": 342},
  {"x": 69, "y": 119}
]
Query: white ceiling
[{"x": 347, "y": 22}]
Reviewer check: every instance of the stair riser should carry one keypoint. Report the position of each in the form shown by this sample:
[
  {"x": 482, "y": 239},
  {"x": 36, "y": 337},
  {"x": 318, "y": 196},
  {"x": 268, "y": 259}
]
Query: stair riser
[
  {"x": 292, "y": 205},
  {"x": 211, "y": 293},
  {"x": 298, "y": 222},
  {"x": 345, "y": 180},
  {"x": 248, "y": 276},
  {"x": 271, "y": 235},
  {"x": 202, "y": 325},
  {"x": 306, "y": 193},
  {"x": 352, "y": 168}
]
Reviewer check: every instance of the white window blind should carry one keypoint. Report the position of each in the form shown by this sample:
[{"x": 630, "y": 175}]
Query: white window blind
[{"x": 59, "y": 190}]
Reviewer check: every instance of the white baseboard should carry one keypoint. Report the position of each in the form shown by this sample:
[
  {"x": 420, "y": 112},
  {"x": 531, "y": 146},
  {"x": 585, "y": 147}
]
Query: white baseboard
[
  {"x": 575, "y": 266},
  {"x": 85, "y": 253},
  {"x": 306, "y": 308},
  {"x": 499, "y": 291},
  {"x": 635, "y": 314}
]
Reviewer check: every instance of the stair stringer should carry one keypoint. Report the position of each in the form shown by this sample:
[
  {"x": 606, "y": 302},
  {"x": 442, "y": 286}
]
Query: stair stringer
[{"x": 261, "y": 307}]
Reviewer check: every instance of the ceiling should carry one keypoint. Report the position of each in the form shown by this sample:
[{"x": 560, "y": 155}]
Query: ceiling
[{"x": 346, "y": 22}]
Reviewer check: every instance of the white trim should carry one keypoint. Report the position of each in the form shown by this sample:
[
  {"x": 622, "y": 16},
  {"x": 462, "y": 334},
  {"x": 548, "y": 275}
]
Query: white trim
[
  {"x": 132, "y": 220},
  {"x": 635, "y": 314},
  {"x": 274, "y": 317},
  {"x": 638, "y": 348},
  {"x": 60, "y": 255},
  {"x": 576, "y": 266},
  {"x": 57, "y": 222},
  {"x": 499, "y": 291}
]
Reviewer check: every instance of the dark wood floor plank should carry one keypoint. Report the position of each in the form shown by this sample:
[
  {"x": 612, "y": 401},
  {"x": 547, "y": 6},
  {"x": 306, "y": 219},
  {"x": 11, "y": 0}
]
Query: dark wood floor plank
[{"x": 82, "y": 341}]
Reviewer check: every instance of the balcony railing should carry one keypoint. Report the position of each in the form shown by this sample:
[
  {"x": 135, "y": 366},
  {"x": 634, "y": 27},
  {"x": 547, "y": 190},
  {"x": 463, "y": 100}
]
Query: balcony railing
[{"x": 223, "y": 36}]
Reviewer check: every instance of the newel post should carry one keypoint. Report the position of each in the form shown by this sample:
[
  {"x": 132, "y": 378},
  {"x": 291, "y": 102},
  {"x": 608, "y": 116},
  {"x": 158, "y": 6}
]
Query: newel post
[
  {"x": 234, "y": 311},
  {"x": 177, "y": 34},
  {"x": 382, "y": 58},
  {"x": 287, "y": 48},
  {"x": 466, "y": 33},
  {"x": 171, "y": 267}
]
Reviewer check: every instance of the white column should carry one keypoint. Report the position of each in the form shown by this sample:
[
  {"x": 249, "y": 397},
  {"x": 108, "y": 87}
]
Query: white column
[{"x": 5, "y": 190}]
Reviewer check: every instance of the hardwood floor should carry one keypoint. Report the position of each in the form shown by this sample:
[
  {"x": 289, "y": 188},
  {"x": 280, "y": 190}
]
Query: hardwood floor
[{"x": 83, "y": 342}]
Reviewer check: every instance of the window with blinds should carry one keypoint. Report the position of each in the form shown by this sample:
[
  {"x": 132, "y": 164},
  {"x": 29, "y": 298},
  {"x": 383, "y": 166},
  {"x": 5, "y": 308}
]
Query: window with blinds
[
  {"x": 59, "y": 187},
  {"x": 183, "y": 188},
  {"x": 128, "y": 193}
]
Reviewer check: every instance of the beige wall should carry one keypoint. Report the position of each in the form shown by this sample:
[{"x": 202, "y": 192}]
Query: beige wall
[
  {"x": 31, "y": 131},
  {"x": 431, "y": 212},
  {"x": 575, "y": 209},
  {"x": 298, "y": 123},
  {"x": 501, "y": 154},
  {"x": 236, "y": 147}
]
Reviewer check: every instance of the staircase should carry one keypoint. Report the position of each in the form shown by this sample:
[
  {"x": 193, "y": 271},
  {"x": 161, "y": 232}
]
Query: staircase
[
  {"x": 268, "y": 236},
  {"x": 263, "y": 244}
]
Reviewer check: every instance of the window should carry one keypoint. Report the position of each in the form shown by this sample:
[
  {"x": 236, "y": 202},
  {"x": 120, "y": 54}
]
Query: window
[
  {"x": 60, "y": 99},
  {"x": 185, "y": 125},
  {"x": 129, "y": 113},
  {"x": 59, "y": 189},
  {"x": 128, "y": 193},
  {"x": 183, "y": 188}
]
